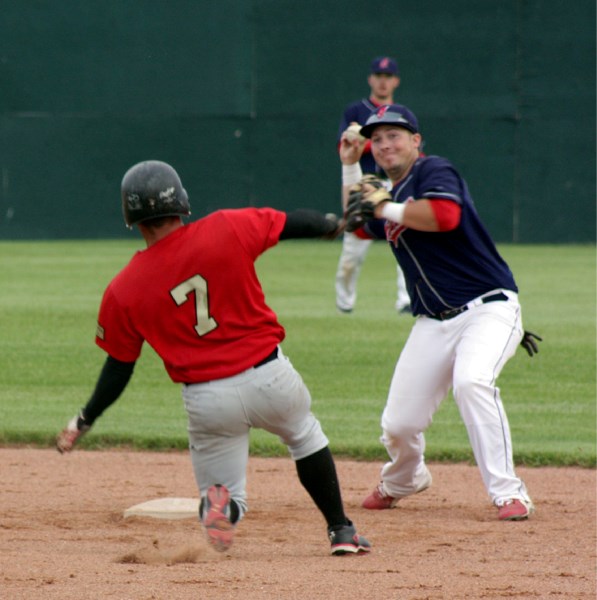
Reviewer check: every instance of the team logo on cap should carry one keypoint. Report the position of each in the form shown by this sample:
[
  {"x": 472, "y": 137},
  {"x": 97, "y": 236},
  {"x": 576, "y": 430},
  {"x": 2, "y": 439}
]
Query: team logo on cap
[{"x": 384, "y": 63}]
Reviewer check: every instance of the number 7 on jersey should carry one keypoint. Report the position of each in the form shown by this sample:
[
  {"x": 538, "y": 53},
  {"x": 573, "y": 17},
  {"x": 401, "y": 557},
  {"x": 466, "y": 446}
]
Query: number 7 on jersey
[{"x": 180, "y": 294}]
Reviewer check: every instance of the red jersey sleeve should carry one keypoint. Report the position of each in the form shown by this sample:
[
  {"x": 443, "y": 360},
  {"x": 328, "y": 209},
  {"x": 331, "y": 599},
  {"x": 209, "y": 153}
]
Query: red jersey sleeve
[
  {"x": 115, "y": 331},
  {"x": 447, "y": 213},
  {"x": 250, "y": 224}
]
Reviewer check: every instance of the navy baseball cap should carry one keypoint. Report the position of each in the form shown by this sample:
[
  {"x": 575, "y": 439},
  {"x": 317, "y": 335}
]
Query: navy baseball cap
[
  {"x": 384, "y": 64},
  {"x": 391, "y": 114}
]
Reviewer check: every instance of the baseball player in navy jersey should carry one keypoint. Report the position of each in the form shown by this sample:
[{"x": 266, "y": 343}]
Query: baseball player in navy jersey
[
  {"x": 383, "y": 80},
  {"x": 464, "y": 297},
  {"x": 194, "y": 296}
]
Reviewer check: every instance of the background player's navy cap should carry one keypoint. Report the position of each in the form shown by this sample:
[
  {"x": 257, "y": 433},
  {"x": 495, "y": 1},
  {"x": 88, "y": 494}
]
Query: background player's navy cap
[
  {"x": 391, "y": 114},
  {"x": 384, "y": 64}
]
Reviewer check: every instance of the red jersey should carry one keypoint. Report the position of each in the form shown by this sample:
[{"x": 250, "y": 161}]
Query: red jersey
[{"x": 194, "y": 296}]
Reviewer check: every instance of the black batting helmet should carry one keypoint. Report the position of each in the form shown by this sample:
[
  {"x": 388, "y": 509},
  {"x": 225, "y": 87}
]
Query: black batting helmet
[{"x": 152, "y": 189}]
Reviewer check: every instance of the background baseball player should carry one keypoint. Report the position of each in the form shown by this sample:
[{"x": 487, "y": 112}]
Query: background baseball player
[
  {"x": 383, "y": 80},
  {"x": 194, "y": 296},
  {"x": 464, "y": 295}
]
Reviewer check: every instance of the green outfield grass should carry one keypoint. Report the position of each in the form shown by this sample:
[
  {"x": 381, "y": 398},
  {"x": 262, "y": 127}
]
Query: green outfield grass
[{"x": 51, "y": 292}]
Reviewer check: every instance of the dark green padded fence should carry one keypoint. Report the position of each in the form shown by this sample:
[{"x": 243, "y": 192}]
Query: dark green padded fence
[{"x": 244, "y": 98}]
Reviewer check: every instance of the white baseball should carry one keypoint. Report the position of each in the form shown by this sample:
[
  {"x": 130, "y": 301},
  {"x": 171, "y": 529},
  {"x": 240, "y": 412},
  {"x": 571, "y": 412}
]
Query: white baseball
[{"x": 353, "y": 132}]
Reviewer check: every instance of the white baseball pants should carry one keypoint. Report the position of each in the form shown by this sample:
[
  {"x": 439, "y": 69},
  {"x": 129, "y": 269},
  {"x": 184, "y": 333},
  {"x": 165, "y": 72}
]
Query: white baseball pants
[{"x": 467, "y": 354}]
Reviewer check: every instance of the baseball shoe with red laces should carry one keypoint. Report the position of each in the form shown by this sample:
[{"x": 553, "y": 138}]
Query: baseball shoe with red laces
[
  {"x": 218, "y": 516},
  {"x": 515, "y": 510}
]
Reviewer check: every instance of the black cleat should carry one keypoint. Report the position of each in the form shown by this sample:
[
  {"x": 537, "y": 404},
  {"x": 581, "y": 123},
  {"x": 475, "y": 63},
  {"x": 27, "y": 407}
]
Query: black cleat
[{"x": 346, "y": 540}]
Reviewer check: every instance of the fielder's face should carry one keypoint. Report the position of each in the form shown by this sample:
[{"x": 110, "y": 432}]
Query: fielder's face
[
  {"x": 382, "y": 86},
  {"x": 395, "y": 150}
]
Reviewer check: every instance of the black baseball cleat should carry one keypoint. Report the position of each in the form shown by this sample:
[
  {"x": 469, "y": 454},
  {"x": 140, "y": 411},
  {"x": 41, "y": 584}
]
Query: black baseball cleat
[{"x": 346, "y": 540}]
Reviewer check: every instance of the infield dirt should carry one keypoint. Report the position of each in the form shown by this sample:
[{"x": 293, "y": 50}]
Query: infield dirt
[{"x": 63, "y": 535}]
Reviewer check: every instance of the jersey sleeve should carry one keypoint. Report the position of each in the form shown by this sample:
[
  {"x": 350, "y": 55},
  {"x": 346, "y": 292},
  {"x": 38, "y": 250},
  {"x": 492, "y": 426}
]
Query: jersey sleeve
[
  {"x": 438, "y": 179},
  {"x": 447, "y": 213},
  {"x": 115, "y": 332},
  {"x": 256, "y": 228}
]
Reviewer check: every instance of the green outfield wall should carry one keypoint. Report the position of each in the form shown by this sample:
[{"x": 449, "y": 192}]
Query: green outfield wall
[{"x": 243, "y": 98}]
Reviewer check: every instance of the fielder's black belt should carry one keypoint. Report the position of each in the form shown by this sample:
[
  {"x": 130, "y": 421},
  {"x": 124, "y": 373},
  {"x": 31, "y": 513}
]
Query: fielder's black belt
[
  {"x": 454, "y": 312},
  {"x": 267, "y": 359}
]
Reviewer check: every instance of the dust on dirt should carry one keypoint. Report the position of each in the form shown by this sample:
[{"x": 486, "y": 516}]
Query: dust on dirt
[{"x": 63, "y": 535}]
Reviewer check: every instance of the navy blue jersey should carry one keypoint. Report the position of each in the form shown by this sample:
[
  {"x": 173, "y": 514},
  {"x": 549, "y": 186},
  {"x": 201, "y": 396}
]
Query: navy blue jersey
[
  {"x": 359, "y": 112},
  {"x": 443, "y": 269}
]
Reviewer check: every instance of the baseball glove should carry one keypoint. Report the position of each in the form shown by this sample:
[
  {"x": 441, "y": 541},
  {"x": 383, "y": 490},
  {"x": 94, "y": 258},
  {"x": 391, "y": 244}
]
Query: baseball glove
[
  {"x": 74, "y": 429},
  {"x": 529, "y": 344},
  {"x": 363, "y": 197}
]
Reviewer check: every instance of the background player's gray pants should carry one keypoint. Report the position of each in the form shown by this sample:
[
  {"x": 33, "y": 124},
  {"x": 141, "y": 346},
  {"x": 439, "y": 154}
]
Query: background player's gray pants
[{"x": 221, "y": 413}]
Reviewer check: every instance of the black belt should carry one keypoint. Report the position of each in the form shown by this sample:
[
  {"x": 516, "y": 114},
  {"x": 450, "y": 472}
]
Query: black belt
[
  {"x": 454, "y": 312},
  {"x": 267, "y": 359}
]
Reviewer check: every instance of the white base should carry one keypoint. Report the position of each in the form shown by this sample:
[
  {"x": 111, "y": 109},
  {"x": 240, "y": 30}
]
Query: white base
[{"x": 165, "y": 508}]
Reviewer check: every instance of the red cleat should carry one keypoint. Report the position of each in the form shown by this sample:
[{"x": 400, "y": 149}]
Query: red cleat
[
  {"x": 515, "y": 510},
  {"x": 215, "y": 516},
  {"x": 379, "y": 500}
]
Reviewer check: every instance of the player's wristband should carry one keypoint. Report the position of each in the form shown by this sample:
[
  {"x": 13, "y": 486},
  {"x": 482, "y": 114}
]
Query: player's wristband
[
  {"x": 393, "y": 212},
  {"x": 351, "y": 174}
]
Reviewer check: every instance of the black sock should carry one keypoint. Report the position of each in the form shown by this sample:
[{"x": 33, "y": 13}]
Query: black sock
[{"x": 317, "y": 474}]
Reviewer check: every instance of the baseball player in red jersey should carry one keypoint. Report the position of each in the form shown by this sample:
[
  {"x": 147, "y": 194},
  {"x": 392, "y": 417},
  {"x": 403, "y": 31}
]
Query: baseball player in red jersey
[
  {"x": 194, "y": 296},
  {"x": 466, "y": 302}
]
